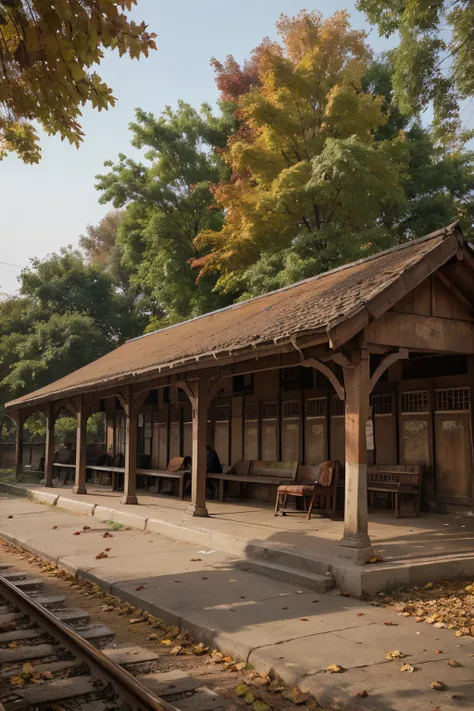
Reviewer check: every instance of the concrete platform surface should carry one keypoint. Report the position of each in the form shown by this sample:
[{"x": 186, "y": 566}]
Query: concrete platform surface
[
  {"x": 276, "y": 626},
  {"x": 414, "y": 550}
]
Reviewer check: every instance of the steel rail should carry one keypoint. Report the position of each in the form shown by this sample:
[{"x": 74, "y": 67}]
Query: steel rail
[{"x": 126, "y": 686}]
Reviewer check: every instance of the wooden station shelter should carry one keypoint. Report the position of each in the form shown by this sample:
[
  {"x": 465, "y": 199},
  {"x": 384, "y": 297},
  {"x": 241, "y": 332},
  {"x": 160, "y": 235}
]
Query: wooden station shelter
[{"x": 296, "y": 375}]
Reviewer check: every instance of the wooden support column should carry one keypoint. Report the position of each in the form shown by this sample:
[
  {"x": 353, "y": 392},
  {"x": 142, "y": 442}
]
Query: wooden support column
[
  {"x": 81, "y": 442},
  {"x": 200, "y": 403},
  {"x": 355, "y": 543},
  {"x": 130, "y": 406},
  {"x": 20, "y": 421},
  {"x": 49, "y": 452}
]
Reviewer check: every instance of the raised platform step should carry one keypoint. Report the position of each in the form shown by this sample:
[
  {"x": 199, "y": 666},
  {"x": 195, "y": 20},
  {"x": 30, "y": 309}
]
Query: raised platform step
[
  {"x": 312, "y": 581},
  {"x": 299, "y": 560}
]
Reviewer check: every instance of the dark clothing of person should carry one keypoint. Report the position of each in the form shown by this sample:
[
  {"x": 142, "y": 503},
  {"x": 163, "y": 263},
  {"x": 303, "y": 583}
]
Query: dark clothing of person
[{"x": 214, "y": 465}]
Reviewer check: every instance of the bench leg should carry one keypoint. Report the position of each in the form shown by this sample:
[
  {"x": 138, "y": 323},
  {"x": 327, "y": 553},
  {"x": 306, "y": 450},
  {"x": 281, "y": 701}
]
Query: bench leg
[
  {"x": 277, "y": 503},
  {"x": 181, "y": 487},
  {"x": 397, "y": 505},
  {"x": 221, "y": 484},
  {"x": 310, "y": 509}
]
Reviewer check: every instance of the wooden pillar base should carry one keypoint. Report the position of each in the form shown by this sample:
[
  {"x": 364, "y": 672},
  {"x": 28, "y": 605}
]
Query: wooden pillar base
[
  {"x": 356, "y": 547},
  {"x": 197, "y": 510},
  {"x": 79, "y": 489},
  {"x": 129, "y": 499}
]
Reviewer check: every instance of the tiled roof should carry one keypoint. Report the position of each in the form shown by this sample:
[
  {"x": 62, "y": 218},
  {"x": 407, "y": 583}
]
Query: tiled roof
[{"x": 309, "y": 307}]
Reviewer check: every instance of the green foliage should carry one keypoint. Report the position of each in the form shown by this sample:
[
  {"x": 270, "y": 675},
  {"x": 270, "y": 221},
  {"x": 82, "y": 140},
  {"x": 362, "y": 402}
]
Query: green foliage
[
  {"x": 434, "y": 62},
  {"x": 168, "y": 200},
  {"x": 47, "y": 52}
]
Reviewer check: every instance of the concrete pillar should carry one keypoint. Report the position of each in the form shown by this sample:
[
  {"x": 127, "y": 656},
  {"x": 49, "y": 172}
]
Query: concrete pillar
[
  {"x": 130, "y": 476},
  {"x": 81, "y": 442},
  {"x": 20, "y": 421},
  {"x": 355, "y": 543},
  {"x": 49, "y": 451},
  {"x": 199, "y": 403}
]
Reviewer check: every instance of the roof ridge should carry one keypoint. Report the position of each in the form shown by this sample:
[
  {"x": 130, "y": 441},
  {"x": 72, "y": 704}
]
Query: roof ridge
[{"x": 447, "y": 230}]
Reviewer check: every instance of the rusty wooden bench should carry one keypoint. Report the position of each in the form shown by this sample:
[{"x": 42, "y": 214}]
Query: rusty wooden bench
[
  {"x": 256, "y": 472},
  {"x": 398, "y": 479}
]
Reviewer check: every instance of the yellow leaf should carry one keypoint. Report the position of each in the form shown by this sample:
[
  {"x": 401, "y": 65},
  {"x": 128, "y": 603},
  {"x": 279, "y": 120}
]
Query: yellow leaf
[
  {"x": 249, "y": 698},
  {"x": 438, "y": 686},
  {"x": 428, "y": 586},
  {"x": 17, "y": 681},
  {"x": 166, "y": 642},
  {"x": 407, "y": 668},
  {"x": 334, "y": 669},
  {"x": 453, "y": 663},
  {"x": 28, "y": 668},
  {"x": 396, "y": 654},
  {"x": 241, "y": 690}
]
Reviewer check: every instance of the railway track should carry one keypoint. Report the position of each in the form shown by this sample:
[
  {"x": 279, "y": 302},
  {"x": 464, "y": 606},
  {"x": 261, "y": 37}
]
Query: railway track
[{"x": 53, "y": 657}]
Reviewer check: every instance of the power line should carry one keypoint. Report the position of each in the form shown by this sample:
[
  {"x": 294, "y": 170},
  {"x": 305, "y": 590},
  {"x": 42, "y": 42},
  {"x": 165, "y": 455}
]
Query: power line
[
  {"x": 10, "y": 271},
  {"x": 10, "y": 264}
]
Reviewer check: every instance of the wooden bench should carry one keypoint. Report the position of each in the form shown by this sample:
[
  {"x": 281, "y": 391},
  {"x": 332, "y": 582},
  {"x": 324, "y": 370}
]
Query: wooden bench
[
  {"x": 256, "y": 472},
  {"x": 160, "y": 474},
  {"x": 399, "y": 480},
  {"x": 68, "y": 467}
]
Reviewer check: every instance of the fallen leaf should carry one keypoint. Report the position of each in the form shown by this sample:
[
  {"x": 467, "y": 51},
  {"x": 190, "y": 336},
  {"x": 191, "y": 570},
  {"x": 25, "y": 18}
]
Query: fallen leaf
[
  {"x": 469, "y": 589},
  {"x": 428, "y": 586},
  {"x": 407, "y": 668},
  {"x": 9, "y": 516},
  {"x": 249, "y": 698},
  {"x": 362, "y": 694},
  {"x": 438, "y": 651},
  {"x": 176, "y": 650},
  {"x": 390, "y": 624},
  {"x": 240, "y": 666},
  {"x": 295, "y": 696},
  {"x": 76, "y": 533},
  {"x": 304, "y": 619},
  {"x": 107, "y": 535},
  {"x": 140, "y": 587},
  {"x": 346, "y": 594},
  {"x": 334, "y": 669},
  {"x": 260, "y": 706},
  {"x": 360, "y": 614},
  {"x": 241, "y": 690},
  {"x": 195, "y": 560},
  {"x": 86, "y": 528},
  {"x": 438, "y": 686},
  {"x": 165, "y": 642},
  {"x": 233, "y": 580},
  {"x": 17, "y": 681},
  {"x": 101, "y": 555},
  {"x": 396, "y": 654},
  {"x": 12, "y": 645},
  {"x": 200, "y": 649},
  {"x": 54, "y": 527},
  {"x": 457, "y": 697},
  {"x": 374, "y": 559},
  {"x": 27, "y": 668},
  {"x": 108, "y": 549},
  {"x": 453, "y": 663},
  {"x": 152, "y": 636}
]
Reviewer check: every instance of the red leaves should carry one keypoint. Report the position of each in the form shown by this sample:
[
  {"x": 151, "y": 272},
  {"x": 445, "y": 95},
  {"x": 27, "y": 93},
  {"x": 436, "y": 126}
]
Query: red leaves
[
  {"x": 76, "y": 533},
  {"x": 101, "y": 555},
  {"x": 108, "y": 549},
  {"x": 362, "y": 694},
  {"x": 390, "y": 624},
  {"x": 54, "y": 528},
  {"x": 140, "y": 587},
  {"x": 107, "y": 535}
]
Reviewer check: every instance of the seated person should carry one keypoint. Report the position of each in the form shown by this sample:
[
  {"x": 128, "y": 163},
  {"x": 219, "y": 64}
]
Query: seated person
[{"x": 213, "y": 463}]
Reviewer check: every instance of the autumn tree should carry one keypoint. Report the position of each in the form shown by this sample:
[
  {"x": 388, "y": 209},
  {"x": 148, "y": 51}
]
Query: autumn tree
[
  {"x": 167, "y": 200},
  {"x": 305, "y": 163},
  {"x": 48, "y": 51},
  {"x": 435, "y": 58}
]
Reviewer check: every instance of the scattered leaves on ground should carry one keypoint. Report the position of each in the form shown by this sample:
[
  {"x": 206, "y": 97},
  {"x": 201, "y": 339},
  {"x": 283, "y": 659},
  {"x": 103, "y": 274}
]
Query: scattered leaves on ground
[
  {"x": 396, "y": 654},
  {"x": 438, "y": 685},
  {"x": 295, "y": 696},
  {"x": 407, "y": 668},
  {"x": 362, "y": 694},
  {"x": 101, "y": 555}
]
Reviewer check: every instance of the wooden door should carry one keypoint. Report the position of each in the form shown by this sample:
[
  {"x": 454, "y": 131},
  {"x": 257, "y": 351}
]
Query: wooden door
[
  {"x": 270, "y": 431},
  {"x": 221, "y": 432},
  {"x": 290, "y": 430},
  {"x": 315, "y": 440},
  {"x": 415, "y": 428},
  {"x": 338, "y": 431},
  {"x": 453, "y": 453},
  {"x": 251, "y": 430},
  {"x": 385, "y": 428}
]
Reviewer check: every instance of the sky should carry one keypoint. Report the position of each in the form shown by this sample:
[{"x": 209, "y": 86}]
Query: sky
[{"x": 48, "y": 206}]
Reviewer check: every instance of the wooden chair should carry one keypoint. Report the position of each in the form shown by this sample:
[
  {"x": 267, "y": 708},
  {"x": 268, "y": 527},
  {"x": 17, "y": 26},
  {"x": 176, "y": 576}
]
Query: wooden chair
[{"x": 314, "y": 482}]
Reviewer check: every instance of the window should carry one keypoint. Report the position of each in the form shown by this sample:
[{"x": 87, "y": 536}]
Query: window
[
  {"x": 222, "y": 413},
  {"x": 452, "y": 399},
  {"x": 291, "y": 409},
  {"x": 337, "y": 407},
  {"x": 242, "y": 384},
  {"x": 316, "y": 407},
  {"x": 382, "y": 404},
  {"x": 415, "y": 402},
  {"x": 251, "y": 411},
  {"x": 269, "y": 411},
  {"x": 297, "y": 378},
  {"x": 434, "y": 366}
]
